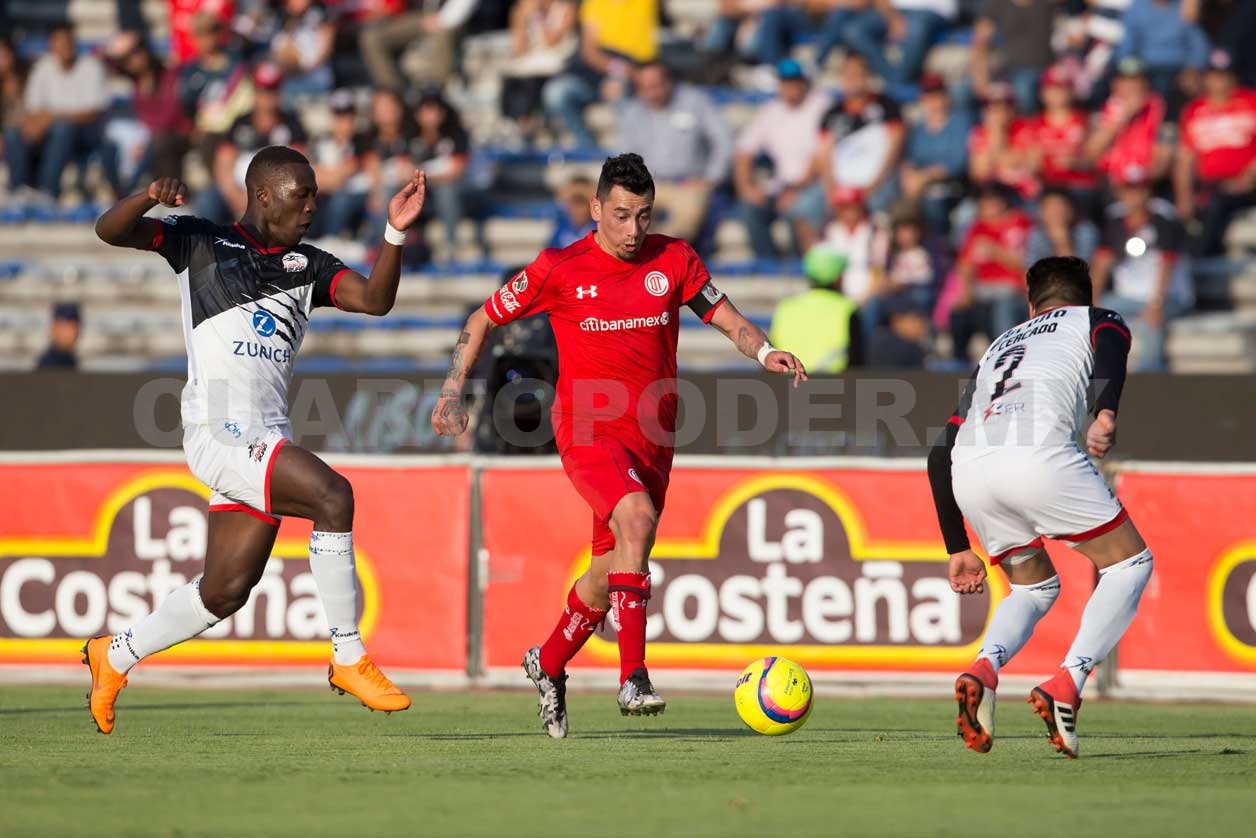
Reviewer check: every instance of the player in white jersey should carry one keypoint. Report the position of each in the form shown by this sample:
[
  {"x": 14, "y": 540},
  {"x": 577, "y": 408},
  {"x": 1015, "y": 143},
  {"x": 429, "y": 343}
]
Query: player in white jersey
[
  {"x": 1010, "y": 463},
  {"x": 247, "y": 292}
]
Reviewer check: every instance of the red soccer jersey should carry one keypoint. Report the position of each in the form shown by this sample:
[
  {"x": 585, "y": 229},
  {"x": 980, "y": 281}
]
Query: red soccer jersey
[
  {"x": 1222, "y": 136},
  {"x": 1018, "y": 176},
  {"x": 1135, "y": 144},
  {"x": 1011, "y": 232},
  {"x": 616, "y": 324},
  {"x": 1061, "y": 143}
]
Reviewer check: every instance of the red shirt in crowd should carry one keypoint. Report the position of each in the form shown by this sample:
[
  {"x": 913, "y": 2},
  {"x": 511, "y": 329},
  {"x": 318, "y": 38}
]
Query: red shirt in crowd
[
  {"x": 1019, "y": 176},
  {"x": 1136, "y": 142},
  {"x": 1061, "y": 143},
  {"x": 1010, "y": 232},
  {"x": 1223, "y": 136},
  {"x": 182, "y": 13}
]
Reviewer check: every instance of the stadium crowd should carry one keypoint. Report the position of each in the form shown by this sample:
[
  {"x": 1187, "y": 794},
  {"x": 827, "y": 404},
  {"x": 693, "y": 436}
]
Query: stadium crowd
[{"x": 1122, "y": 131}]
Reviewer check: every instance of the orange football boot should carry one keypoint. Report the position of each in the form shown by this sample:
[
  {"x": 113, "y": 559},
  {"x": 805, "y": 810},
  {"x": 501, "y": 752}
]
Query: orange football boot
[
  {"x": 106, "y": 682},
  {"x": 368, "y": 684}
]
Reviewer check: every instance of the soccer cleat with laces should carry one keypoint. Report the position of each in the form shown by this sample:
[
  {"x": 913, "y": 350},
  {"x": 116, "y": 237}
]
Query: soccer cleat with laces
[
  {"x": 637, "y": 696},
  {"x": 1057, "y": 703},
  {"x": 975, "y": 694},
  {"x": 368, "y": 684},
  {"x": 106, "y": 682},
  {"x": 552, "y": 702}
]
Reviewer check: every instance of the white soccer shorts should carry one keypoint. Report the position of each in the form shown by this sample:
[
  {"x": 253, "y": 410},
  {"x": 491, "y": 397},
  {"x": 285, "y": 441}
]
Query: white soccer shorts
[
  {"x": 1014, "y": 497},
  {"x": 234, "y": 460}
]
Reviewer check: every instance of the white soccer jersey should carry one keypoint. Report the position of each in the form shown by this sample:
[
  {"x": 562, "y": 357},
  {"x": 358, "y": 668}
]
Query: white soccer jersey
[
  {"x": 1033, "y": 386},
  {"x": 245, "y": 312}
]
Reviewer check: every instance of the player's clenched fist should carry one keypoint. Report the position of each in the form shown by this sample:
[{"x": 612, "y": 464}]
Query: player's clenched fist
[
  {"x": 450, "y": 417},
  {"x": 168, "y": 191}
]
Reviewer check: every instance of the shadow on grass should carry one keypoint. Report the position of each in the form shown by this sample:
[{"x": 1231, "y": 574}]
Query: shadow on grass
[
  {"x": 1157, "y": 754},
  {"x": 178, "y": 706}
]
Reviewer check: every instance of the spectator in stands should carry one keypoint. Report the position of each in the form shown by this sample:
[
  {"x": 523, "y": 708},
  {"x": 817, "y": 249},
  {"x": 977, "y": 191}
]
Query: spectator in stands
[
  {"x": 614, "y": 34},
  {"x": 443, "y": 150},
  {"x": 1128, "y": 131},
  {"x": 150, "y": 135},
  {"x": 861, "y": 137},
  {"x": 1057, "y": 150},
  {"x": 542, "y": 41},
  {"x": 215, "y": 87},
  {"x": 392, "y": 148},
  {"x": 911, "y": 264},
  {"x": 12, "y": 87},
  {"x": 990, "y": 271},
  {"x": 432, "y": 24},
  {"x": 861, "y": 241},
  {"x": 1216, "y": 153},
  {"x": 685, "y": 141},
  {"x": 913, "y": 24},
  {"x": 784, "y": 134},
  {"x": 63, "y": 338},
  {"x": 268, "y": 124},
  {"x": 1093, "y": 32},
  {"x": 1141, "y": 269},
  {"x": 903, "y": 342},
  {"x": 339, "y": 161},
  {"x": 62, "y": 116},
  {"x": 186, "y": 42},
  {"x": 1059, "y": 231},
  {"x": 820, "y": 326},
  {"x": 1012, "y": 40},
  {"x": 935, "y": 160},
  {"x": 1172, "y": 49},
  {"x": 573, "y": 218},
  {"x": 1000, "y": 148},
  {"x": 302, "y": 48}
]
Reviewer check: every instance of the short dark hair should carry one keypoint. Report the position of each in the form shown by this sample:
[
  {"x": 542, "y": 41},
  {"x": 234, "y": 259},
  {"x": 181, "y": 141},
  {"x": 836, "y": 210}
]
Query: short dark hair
[
  {"x": 628, "y": 171},
  {"x": 1065, "y": 279},
  {"x": 267, "y": 163}
]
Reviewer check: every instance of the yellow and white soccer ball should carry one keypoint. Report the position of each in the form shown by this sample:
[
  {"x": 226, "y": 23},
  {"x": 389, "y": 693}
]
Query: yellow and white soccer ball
[{"x": 773, "y": 696}]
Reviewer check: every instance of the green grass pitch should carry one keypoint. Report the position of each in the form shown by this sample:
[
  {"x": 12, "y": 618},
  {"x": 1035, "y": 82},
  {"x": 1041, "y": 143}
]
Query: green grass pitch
[{"x": 303, "y": 763}]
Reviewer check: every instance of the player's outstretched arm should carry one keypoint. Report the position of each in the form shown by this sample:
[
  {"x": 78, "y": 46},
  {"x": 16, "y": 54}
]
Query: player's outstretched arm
[
  {"x": 753, "y": 343},
  {"x": 124, "y": 224},
  {"x": 377, "y": 293},
  {"x": 449, "y": 418}
]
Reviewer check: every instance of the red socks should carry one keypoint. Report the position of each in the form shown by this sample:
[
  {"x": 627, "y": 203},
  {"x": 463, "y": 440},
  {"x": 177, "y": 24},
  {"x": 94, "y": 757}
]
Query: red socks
[
  {"x": 629, "y": 594},
  {"x": 577, "y": 625}
]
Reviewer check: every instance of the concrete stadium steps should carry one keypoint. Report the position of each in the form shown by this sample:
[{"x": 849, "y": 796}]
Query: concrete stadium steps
[{"x": 1217, "y": 342}]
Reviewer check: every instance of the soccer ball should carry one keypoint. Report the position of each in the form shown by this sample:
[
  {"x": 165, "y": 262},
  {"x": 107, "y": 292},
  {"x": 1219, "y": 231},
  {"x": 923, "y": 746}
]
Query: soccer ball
[{"x": 773, "y": 696}]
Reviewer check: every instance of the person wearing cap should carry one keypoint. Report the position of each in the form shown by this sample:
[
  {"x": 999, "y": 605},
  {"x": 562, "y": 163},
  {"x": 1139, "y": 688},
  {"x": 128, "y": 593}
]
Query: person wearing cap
[
  {"x": 990, "y": 271},
  {"x": 1216, "y": 154},
  {"x": 1012, "y": 39},
  {"x": 1141, "y": 269},
  {"x": 1059, "y": 139},
  {"x": 339, "y": 161},
  {"x": 785, "y": 133},
  {"x": 935, "y": 159},
  {"x": 1128, "y": 131},
  {"x": 904, "y": 340},
  {"x": 1000, "y": 148},
  {"x": 1160, "y": 36},
  {"x": 266, "y": 125},
  {"x": 820, "y": 326},
  {"x": 855, "y": 234},
  {"x": 215, "y": 87},
  {"x": 686, "y": 140},
  {"x": 302, "y": 48},
  {"x": 63, "y": 338}
]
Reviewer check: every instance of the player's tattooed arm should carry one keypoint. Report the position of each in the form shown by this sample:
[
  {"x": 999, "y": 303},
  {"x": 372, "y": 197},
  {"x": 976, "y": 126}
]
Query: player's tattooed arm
[
  {"x": 449, "y": 418},
  {"x": 124, "y": 224},
  {"x": 750, "y": 339}
]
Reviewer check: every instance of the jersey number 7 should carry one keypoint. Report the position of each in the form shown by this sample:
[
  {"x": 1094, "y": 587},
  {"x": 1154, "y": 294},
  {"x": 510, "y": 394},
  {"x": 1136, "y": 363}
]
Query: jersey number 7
[{"x": 1012, "y": 357}]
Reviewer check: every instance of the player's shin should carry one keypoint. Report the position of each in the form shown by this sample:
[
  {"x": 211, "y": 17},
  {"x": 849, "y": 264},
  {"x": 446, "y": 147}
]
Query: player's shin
[
  {"x": 1108, "y": 614},
  {"x": 1014, "y": 621},
  {"x": 629, "y": 592},
  {"x": 577, "y": 624},
  {"x": 331, "y": 562},
  {"x": 181, "y": 616}
]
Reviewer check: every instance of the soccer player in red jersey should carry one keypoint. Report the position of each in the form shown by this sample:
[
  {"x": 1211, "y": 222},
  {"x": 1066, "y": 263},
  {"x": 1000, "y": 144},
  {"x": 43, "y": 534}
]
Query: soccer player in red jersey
[{"x": 614, "y": 301}]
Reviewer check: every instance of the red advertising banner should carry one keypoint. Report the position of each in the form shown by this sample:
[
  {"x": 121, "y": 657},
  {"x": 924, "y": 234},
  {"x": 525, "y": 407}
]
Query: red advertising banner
[
  {"x": 88, "y": 548},
  {"x": 839, "y": 569},
  {"x": 1198, "y": 613}
]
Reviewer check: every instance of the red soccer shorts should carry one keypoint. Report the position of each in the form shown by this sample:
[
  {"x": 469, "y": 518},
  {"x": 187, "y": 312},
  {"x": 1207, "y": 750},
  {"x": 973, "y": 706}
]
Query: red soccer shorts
[{"x": 606, "y": 470}]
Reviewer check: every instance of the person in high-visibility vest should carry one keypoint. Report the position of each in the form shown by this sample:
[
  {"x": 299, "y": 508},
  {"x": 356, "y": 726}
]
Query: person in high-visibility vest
[{"x": 820, "y": 326}]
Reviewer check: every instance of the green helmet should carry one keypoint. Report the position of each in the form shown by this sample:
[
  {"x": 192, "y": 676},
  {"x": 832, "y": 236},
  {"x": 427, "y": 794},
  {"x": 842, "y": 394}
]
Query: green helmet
[{"x": 823, "y": 265}]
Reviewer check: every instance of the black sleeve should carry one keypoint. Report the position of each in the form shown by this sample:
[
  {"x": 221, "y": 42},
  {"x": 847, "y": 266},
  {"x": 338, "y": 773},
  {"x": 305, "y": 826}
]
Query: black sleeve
[
  {"x": 326, "y": 271},
  {"x": 950, "y": 518},
  {"x": 1110, "y": 341},
  {"x": 855, "y": 345},
  {"x": 706, "y": 301},
  {"x": 177, "y": 237}
]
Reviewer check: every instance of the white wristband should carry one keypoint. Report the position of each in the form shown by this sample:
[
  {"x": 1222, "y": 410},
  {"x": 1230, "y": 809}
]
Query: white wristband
[
  {"x": 763, "y": 353},
  {"x": 394, "y": 236}
]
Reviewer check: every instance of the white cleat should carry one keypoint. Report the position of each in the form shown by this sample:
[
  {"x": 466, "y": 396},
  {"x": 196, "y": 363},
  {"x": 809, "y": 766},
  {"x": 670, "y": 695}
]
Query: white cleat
[
  {"x": 637, "y": 696},
  {"x": 552, "y": 703}
]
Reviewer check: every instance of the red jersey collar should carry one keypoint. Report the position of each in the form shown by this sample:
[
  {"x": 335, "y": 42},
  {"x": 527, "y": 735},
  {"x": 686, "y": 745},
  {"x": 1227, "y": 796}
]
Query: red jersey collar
[{"x": 256, "y": 244}]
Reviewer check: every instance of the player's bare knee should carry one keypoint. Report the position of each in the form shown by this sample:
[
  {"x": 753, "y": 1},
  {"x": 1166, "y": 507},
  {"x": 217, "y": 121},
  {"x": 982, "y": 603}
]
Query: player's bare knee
[
  {"x": 224, "y": 597},
  {"x": 335, "y": 504},
  {"x": 636, "y": 529},
  {"x": 1115, "y": 546},
  {"x": 1028, "y": 568}
]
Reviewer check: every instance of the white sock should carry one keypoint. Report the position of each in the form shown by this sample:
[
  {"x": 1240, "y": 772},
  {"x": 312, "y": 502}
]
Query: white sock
[
  {"x": 1014, "y": 620},
  {"x": 181, "y": 616},
  {"x": 1108, "y": 614},
  {"x": 331, "y": 562}
]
